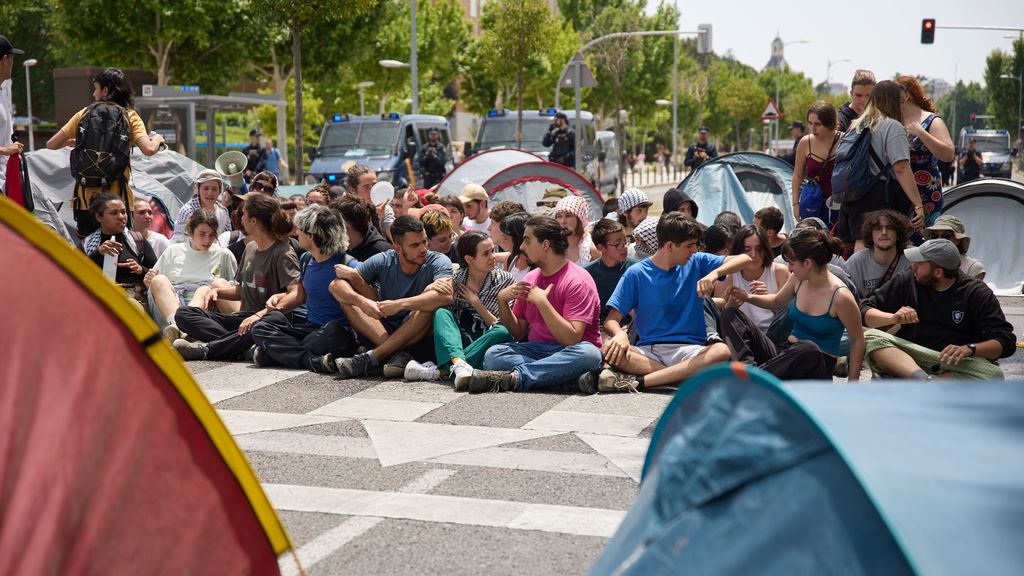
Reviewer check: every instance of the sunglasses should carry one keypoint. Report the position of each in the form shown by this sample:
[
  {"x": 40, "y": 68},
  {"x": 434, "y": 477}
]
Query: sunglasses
[{"x": 261, "y": 187}]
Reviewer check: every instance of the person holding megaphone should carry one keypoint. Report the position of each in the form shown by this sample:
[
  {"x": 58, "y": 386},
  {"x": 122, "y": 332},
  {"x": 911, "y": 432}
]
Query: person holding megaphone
[{"x": 208, "y": 187}]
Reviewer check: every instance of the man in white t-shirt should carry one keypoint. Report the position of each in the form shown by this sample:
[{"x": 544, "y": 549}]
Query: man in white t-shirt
[
  {"x": 7, "y": 146},
  {"x": 474, "y": 200}
]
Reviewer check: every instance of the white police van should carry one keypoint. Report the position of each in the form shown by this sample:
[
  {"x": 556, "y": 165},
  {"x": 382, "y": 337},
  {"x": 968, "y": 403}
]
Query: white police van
[
  {"x": 995, "y": 149},
  {"x": 383, "y": 143}
]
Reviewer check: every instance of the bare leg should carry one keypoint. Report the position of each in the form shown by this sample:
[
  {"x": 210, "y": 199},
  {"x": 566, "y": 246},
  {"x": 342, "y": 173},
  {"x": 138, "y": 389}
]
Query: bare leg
[
  {"x": 713, "y": 354},
  {"x": 637, "y": 364},
  {"x": 370, "y": 328},
  {"x": 164, "y": 297},
  {"x": 894, "y": 362},
  {"x": 414, "y": 329}
]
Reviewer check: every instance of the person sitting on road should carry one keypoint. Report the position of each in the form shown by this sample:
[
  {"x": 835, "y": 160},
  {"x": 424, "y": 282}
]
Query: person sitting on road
[
  {"x": 573, "y": 214},
  {"x": 675, "y": 200},
  {"x": 474, "y": 199},
  {"x": 730, "y": 220},
  {"x": 456, "y": 212},
  {"x": 952, "y": 229},
  {"x": 208, "y": 187},
  {"x": 390, "y": 300},
  {"x": 319, "y": 194},
  {"x": 299, "y": 200},
  {"x": 513, "y": 227},
  {"x": 610, "y": 239},
  {"x": 821, "y": 307},
  {"x": 134, "y": 254},
  {"x": 771, "y": 220},
  {"x": 440, "y": 234},
  {"x": 326, "y": 333},
  {"x": 554, "y": 321},
  {"x": 502, "y": 243},
  {"x": 633, "y": 207},
  {"x": 760, "y": 276},
  {"x": 666, "y": 292},
  {"x": 886, "y": 233},
  {"x": 360, "y": 180},
  {"x": 717, "y": 240},
  {"x": 950, "y": 324},
  {"x": 269, "y": 266},
  {"x": 364, "y": 240},
  {"x": 645, "y": 239},
  {"x": 186, "y": 270},
  {"x": 142, "y": 220},
  {"x": 469, "y": 326}
]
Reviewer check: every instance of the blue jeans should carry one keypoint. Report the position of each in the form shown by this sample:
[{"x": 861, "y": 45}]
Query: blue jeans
[{"x": 539, "y": 365}]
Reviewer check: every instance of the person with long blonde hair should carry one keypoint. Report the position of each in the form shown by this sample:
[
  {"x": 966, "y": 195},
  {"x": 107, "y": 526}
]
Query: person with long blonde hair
[
  {"x": 930, "y": 142},
  {"x": 896, "y": 189}
]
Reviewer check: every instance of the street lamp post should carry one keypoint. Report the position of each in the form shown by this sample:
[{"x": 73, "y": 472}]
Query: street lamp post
[
  {"x": 415, "y": 81},
  {"x": 362, "y": 93},
  {"x": 28, "y": 101},
  {"x": 412, "y": 67},
  {"x": 1020, "y": 85},
  {"x": 778, "y": 80},
  {"x": 828, "y": 71}
]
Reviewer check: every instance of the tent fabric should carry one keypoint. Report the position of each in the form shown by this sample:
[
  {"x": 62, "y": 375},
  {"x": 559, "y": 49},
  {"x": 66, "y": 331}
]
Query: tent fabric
[
  {"x": 167, "y": 176},
  {"x": 525, "y": 183},
  {"x": 746, "y": 475},
  {"x": 114, "y": 461},
  {"x": 992, "y": 210},
  {"x": 742, "y": 182},
  {"x": 478, "y": 168}
]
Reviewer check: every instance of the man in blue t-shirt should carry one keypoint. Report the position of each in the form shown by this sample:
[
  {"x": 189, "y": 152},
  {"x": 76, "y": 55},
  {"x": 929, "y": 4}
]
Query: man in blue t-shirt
[
  {"x": 326, "y": 333},
  {"x": 666, "y": 294},
  {"x": 390, "y": 301}
]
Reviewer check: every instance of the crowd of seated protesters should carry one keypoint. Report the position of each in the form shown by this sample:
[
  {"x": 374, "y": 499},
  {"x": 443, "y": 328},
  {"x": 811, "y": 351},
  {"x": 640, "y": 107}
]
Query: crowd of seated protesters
[{"x": 502, "y": 298}]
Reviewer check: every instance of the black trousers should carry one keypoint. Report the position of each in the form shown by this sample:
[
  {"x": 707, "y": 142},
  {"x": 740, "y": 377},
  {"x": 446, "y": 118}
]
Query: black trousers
[
  {"x": 219, "y": 331},
  {"x": 293, "y": 346},
  {"x": 800, "y": 360}
]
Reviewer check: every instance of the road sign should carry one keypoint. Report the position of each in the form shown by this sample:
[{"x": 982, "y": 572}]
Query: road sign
[
  {"x": 771, "y": 111},
  {"x": 587, "y": 79}
]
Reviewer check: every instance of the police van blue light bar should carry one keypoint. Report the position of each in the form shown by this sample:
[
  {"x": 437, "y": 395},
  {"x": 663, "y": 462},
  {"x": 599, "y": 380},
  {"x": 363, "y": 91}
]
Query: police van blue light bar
[
  {"x": 549, "y": 111},
  {"x": 493, "y": 113},
  {"x": 332, "y": 177},
  {"x": 391, "y": 116},
  {"x": 340, "y": 118}
]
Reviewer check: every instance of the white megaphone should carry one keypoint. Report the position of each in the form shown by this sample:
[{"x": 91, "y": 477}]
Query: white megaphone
[{"x": 231, "y": 164}]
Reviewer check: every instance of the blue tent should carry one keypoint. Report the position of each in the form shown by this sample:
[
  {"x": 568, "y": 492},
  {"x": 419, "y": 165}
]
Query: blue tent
[
  {"x": 747, "y": 476},
  {"x": 742, "y": 182}
]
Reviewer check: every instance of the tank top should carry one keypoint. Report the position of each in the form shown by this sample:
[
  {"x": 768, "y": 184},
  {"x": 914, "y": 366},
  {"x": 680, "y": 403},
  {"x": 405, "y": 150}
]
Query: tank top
[
  {"x": 823, "y": 330},
  {"x": 761, "y": 317},
  {"x": 927, "y": 175},
  {"x": 517, "y": 274},
  {"x": 821, "y": 170}
]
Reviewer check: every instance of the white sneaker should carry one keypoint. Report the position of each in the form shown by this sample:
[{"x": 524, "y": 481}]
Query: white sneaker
[
  {"x": 462, "y": 373},
  {"x": 416, "y": 372}
]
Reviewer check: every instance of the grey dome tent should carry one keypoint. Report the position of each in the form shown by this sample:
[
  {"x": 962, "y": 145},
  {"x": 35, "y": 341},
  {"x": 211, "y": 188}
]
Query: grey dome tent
[
  {"x": 525, "y": 183},
  {"x": 742, "y": 182},
  {"x": 747, "y": 476},
  {"x": 992, "y": 210},
  {"x": 478, "y": 168}
]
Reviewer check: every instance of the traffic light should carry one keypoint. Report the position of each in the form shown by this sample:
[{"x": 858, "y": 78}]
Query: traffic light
[{"x": 928, "y": 31}]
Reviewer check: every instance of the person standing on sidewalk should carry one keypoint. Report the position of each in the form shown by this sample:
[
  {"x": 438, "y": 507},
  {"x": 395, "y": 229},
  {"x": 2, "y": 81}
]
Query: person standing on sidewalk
[{"x": 700, "y": 151}]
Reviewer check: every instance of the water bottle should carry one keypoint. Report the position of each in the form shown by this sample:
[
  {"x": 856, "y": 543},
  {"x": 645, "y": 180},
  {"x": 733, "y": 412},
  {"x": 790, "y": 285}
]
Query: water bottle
[
  {"x": 110, "y": 265},
  {"x": 163, "y": 145}
]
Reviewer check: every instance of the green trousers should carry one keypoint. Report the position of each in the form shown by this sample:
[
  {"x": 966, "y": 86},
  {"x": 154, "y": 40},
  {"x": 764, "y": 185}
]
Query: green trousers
[
  {"x": 928, "y": 359},
  {"x": 450, "y": 341}
]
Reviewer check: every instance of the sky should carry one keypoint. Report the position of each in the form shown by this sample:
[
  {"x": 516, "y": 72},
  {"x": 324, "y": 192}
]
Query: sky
[{"x": 883, "y": 36}]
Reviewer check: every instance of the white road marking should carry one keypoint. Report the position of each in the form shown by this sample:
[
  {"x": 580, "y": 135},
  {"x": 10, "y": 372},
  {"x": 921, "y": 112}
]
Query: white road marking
[
  {"x": 247, "y": 421},
  {"x": 413, "y": 391},
  {"x": 593, "y": 423},
  {"x": 641, "y": 405},
  {"x": 447, "y": 509},
  {"x": 401, "y": 442},
  {"x": 376, "y": 409},
  {"x": 327, "y": 543},
  {"x": 535, "y": 460},
  {"x": 626, "y": 453},
  {"x": 236, "y": 379},
  {"x": 312, "y": 444}
]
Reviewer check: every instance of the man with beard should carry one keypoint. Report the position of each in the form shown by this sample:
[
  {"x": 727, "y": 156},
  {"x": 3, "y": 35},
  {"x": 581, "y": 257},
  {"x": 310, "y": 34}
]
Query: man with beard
[
  {"x": 951, "y": 324},
  {"x": 886, "y": 233},
  {"x": 390, "y": 301},
  {"x": 431, "y": 159},
  {"x": 633, "y": 208}
]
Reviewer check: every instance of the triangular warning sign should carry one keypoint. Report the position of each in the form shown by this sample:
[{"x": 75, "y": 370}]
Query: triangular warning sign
[{"x": 771, "y": 111}]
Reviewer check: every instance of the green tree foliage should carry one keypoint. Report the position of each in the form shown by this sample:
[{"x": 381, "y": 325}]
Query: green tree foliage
[
  {"x": 27, "y": 24},
  {"x": 1003, "y": 93},
  {"x": 515, "y": 35},
  {"x": 957, "y": 106},
  {"x": 740, "y": 101}
]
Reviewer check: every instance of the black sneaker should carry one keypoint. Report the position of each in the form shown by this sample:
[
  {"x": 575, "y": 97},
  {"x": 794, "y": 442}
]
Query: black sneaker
[
  {"x": 587, "y": 383},
  {"x": 322, "y": 364},
  {"x": 260, "y": 357},
  {"x": 358, "y": 365},
  {"x": 190, "y": 350},
  {"x": 395, "y": 366},
  {"x": 490, "y": 381}
]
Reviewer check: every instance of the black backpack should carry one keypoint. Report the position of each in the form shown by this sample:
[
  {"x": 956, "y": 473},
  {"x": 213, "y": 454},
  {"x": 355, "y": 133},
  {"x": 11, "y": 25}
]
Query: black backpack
[
  {"x": 852, "y": 176},
  {"x": 102, "y": 147}
]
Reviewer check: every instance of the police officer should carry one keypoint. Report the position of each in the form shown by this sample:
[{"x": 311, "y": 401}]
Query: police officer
[
  {"x": 431, "y": 159},
  {"x": 562, "y": 141},
  {"x": 700, "y": 151}
]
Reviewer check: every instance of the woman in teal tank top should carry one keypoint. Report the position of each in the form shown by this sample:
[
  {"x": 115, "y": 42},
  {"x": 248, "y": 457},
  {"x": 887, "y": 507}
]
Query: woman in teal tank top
[{"x": 820, "y": 305}]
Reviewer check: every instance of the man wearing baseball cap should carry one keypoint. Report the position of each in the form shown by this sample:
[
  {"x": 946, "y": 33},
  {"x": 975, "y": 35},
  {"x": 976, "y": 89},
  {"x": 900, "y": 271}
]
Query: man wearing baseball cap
[
  {"x": 474, "y": 200},
  {"x": 561, "y": 138},
  {"x": 7, "y": 145},
  {"x": 700, "y": 151},
  {"x": 951, "y": 324}
]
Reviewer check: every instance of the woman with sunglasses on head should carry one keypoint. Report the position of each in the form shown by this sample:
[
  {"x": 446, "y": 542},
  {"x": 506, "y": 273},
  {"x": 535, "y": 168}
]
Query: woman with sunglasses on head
[
  {"x": 208, "y": 187},
  {"x": 264, "y": 183}
]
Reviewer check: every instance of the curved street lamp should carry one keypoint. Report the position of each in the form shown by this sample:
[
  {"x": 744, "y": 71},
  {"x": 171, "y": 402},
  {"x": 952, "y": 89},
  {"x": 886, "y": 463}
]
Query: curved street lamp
[{"x": 28, "y": 100}]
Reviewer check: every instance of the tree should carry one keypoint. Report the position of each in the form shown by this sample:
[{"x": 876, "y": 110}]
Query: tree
[
  {"x": 515, "y": 33},
  {"x": 959, "y": 104},
  {"x": 1003, "y": 92},
  {"x": 27, "y": 25},
  {"x": 740, "y": 102},
  {"x": 297, "y": 15}
]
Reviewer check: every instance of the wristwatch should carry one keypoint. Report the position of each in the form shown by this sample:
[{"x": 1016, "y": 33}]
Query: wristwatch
[{"x": 974, "y": 349}]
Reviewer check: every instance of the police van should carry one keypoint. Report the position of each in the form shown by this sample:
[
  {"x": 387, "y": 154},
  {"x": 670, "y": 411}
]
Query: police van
[
  {"x": 498, "y": 130},
  {"x": 994, "y": 147},
  {"x": 384, "y": 143}
]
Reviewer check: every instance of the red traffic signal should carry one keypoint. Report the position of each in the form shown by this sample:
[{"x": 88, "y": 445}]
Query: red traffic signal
[{"x": 928, "y": 31}]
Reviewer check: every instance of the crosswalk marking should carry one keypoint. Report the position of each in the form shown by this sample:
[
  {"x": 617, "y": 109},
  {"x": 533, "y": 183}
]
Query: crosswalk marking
[
  {"x": 401, "y": 442},
  {"x": 626, "y": 453},
  {"x": 233, "y": 380},
  {"x": 312, "y": 444},
  {"x": 376, "y": 409},
  {"x": 448, "y": 509},
  {"x": 246, "y": 421},
  {"x": 613, "y": 424}
]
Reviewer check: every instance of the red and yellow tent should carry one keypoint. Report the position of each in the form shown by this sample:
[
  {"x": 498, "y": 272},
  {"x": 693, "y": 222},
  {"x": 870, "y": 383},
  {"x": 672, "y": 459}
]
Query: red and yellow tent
[{"x": 111, "y": 458}]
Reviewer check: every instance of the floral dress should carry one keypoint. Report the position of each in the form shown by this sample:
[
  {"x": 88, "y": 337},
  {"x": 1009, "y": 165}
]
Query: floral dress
[{"x": 927, "y": 175}]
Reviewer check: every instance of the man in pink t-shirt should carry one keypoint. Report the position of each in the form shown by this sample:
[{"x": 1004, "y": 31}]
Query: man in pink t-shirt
[{"x": 557, "y": 309}]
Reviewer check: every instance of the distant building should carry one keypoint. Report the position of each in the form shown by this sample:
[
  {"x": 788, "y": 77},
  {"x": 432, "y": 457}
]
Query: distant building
[
  {"x": 937, "y": 88},
  {"x": 777, "y": 60},
  {"x": 831, "y": 88}
]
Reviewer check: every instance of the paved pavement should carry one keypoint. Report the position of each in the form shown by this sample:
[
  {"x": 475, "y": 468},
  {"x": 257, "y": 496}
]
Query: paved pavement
[{"x": 388, "y": 477}]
